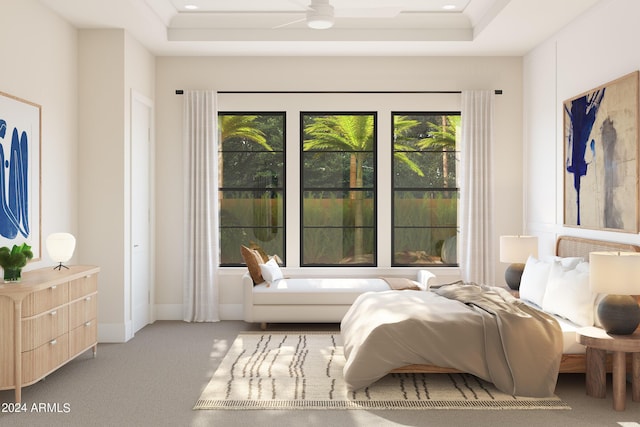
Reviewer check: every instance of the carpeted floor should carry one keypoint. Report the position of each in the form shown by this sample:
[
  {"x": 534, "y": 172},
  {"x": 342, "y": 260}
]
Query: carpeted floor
[{"x": 155, "y": 378}]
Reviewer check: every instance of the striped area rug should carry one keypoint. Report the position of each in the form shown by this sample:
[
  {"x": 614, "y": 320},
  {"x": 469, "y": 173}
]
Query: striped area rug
[{"x": 303, "y": 370}]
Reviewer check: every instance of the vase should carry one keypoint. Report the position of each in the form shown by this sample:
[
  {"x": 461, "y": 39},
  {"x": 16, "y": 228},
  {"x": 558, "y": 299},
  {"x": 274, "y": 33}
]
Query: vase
[{"x": 12, "y": 274}]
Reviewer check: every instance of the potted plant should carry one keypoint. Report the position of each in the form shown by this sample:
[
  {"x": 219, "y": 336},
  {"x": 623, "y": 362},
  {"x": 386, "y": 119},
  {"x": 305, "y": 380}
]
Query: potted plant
[{"x": 12, "y": 260}]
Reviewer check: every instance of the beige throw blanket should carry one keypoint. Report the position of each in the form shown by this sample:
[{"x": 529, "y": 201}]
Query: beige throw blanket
[
  {"x": 401, "y": 283},
  {"x": 477, "y": 329}
]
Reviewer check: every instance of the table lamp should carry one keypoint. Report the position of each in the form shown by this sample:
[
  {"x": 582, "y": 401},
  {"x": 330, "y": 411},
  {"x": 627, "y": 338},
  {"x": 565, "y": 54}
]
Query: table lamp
[
  {"x": 516, "y": 250},
  {"x": 60, "y": 247},
  {"x": 616, "y": 274}
]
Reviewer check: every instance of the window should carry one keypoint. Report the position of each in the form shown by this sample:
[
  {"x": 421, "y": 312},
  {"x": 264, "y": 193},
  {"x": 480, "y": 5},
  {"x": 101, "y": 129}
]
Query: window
[
  {"x": 425, "y": 192},
  {"x": 339, "y": 179},
  {"x": 338, "y": 198},
  {"x": 251, "y": 184}
]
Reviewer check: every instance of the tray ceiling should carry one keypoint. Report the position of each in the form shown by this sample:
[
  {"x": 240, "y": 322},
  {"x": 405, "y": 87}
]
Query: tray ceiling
[{"x": 360, "y": 27}]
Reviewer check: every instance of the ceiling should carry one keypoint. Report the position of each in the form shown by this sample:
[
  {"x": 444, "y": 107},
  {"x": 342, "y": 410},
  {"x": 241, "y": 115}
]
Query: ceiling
[{"x": 361, "y": 27}]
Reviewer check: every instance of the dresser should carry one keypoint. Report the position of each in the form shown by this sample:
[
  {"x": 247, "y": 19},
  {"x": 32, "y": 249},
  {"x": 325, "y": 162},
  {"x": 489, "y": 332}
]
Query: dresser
[{"x": 46, "y": 319}]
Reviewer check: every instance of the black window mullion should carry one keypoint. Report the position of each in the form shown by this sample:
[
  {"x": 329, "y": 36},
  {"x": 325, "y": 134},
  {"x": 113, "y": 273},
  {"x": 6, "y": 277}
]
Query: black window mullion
[
  {"x": 314, "y": 184},
  {"x": 420, "y": 237},
  {"x": 253, "y": 194}
]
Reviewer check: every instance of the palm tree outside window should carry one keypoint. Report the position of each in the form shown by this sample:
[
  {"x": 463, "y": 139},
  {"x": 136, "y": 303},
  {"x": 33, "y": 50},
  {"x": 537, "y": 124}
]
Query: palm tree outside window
[
  {"x": 425, "y": 206},
  {"x": 251, "y": 179},
  {"x": 338, "y": 189}
]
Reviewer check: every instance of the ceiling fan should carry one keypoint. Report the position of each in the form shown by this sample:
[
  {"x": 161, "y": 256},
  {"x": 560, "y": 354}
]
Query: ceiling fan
[{"x": 320, "y": 14}]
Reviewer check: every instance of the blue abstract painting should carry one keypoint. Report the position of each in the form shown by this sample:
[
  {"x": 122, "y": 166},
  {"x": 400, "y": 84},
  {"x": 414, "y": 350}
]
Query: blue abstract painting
[
  {"x": 20, "y": 172},
  {"x": 601, "y": 157}
]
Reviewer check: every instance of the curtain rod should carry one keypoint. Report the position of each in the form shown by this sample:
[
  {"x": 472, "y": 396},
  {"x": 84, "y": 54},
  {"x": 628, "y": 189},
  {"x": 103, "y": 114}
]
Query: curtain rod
[{"x": 180, "y": 91}]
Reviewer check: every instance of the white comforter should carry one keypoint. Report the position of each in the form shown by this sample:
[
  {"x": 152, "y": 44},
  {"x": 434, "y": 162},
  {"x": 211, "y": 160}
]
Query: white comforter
[{"x": 487, "y": 333}]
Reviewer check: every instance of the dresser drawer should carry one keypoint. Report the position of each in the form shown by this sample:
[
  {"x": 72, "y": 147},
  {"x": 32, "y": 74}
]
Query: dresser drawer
[
  {"x": 44, "y": 327},
  {"x": 45, "y": 300},
  {"x": 84, "y": 286},
  {"x": 42, "y": 360},
  {"x": 83, "y": 310},
  {"x": 83, "y": 337}
]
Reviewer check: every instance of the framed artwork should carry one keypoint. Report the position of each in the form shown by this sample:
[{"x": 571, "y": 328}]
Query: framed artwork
[
  {"x": 601, "y": 157},
  {"x": 20, "y": 127}
]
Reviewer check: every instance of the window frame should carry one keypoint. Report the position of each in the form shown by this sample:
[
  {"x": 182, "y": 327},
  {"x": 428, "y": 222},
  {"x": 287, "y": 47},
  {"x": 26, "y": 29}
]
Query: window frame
[
  {"x": 281, "y": 188},
  {"x": 373, "y": 189},
  {"x": 394, "y": 189}
]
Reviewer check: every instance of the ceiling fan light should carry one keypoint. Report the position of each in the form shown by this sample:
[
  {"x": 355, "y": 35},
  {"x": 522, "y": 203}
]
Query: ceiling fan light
[
  {"x": 320, "y": 22},
  {"x": 320, "y": 16}
]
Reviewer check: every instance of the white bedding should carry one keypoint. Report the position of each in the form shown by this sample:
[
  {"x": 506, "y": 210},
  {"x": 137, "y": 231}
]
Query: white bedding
[
  {"x": 569, "y": 343},
  {"x": 481, "y": 330}
]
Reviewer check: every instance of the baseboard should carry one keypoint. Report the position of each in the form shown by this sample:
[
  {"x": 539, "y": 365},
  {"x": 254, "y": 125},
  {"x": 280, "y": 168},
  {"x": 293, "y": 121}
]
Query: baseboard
[
  {"x": 113, "y": 333},
  {"x": 174, "y": 312},
  {"x": 169, "y": 312},
  {"x": 231, "y": 311}
]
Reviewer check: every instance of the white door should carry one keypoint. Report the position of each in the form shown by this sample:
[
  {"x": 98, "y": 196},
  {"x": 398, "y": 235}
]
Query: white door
[{"x": 141, "y": 122}]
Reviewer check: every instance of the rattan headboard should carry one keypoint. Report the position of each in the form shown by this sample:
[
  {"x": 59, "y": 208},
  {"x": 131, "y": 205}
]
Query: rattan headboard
[{"x": 578, "y": 246}]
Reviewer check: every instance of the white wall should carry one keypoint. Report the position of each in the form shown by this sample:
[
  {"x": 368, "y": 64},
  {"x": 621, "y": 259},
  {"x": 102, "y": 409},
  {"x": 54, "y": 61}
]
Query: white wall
[
  {"x": 39, "y": 64},
  {"x": 319, "y": 74},
  {"x": 83, "y": 85},
  {"x": 598, "y": 47},
  {"x": 111, "y": 64},
  {"x": 101, "y": 130}
]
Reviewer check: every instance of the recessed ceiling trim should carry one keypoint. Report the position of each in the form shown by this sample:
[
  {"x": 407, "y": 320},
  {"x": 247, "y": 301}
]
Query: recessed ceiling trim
[
  {"x": 246, "y": 20},
  {"x": 303, "y": 5},
  {"x": 207, "y": 34}
]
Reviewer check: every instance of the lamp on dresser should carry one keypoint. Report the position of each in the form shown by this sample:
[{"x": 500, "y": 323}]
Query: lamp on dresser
[
  {"x": 515, "y": 250},
  {"x": 60, "y": 247},
  {"x": 616, "y": 274}
]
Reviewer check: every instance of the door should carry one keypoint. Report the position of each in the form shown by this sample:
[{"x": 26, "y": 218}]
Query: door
[{"x": 141, "y": 236}]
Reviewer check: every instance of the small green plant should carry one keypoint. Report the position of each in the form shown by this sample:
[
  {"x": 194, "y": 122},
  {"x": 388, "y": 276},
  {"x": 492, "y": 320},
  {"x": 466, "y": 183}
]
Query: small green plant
[{"x": 12, "y": 260}]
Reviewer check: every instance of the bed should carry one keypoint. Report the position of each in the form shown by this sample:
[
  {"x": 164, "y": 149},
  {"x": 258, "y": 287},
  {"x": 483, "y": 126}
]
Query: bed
[{"x": 569, "y": 357}]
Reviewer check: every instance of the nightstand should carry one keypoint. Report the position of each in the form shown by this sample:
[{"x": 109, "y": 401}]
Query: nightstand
[{"x": 598, "y": 342}]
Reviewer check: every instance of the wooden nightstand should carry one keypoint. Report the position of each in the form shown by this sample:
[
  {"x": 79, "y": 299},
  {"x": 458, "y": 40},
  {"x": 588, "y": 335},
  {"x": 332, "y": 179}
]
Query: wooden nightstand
[{"x": 598, "y": 342}]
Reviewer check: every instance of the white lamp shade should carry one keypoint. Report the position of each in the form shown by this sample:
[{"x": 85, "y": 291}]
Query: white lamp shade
[
  {"x": 60, "y": 246},
  {"x": 516, "y": 249},
  {"x": 615, "y": 273}
]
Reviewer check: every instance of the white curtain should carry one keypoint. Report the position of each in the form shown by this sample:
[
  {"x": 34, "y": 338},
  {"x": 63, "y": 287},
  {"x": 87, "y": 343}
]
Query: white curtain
[
  {"x": 476, "y": 252},
  {"x": 201, "y": 213}
]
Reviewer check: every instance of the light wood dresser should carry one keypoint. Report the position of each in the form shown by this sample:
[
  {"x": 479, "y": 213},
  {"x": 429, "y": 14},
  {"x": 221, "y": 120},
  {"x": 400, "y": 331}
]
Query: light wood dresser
[{"x": 46, "y": 319}]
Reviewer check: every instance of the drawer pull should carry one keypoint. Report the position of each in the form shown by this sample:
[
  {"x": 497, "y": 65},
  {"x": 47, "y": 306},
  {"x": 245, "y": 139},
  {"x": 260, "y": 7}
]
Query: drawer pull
[
  {"x": 54, "y": 312},
  {"x": 87, "y": 323},
  {"x": 87, "y": 299},
  {"x": 53, "y": 342},
  {"x": 53, "y": 287}
]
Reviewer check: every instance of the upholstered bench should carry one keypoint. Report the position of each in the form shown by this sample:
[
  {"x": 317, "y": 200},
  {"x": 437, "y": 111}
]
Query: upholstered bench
[{"x": 312, "y": 300}]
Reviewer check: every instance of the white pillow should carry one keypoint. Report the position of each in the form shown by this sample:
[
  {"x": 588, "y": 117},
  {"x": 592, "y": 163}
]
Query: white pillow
[
  {"x": 424, "y": 276},
  {"x": 569, "y": 262},
  {"x": 534, "y": 280},
  {"x": 271, "y": 271},
  {"x": 569, "y": 295}
]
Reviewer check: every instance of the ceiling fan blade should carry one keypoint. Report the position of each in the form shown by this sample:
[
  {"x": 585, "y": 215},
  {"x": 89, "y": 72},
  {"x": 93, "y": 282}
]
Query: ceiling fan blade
[
  {"x": 368, "y": 12},
  {"x": 286, "y": 24}
]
